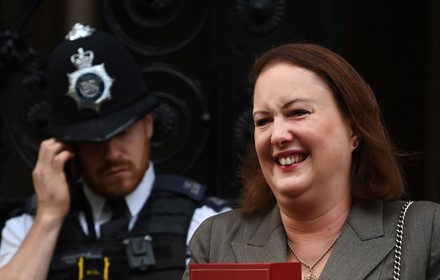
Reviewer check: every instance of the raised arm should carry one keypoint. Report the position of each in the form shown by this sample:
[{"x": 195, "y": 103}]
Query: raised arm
[{"x": 33, "y": 256}]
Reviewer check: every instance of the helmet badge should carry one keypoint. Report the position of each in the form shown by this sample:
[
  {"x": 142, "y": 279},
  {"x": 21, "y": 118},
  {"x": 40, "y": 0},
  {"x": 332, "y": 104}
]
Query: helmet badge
[
  {"x": 90, "y": 85},
  {"x": 79, "y": 31}
]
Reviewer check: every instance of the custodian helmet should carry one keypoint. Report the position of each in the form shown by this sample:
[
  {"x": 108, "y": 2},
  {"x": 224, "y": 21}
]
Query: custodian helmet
[{"x": 95, "y": 88}]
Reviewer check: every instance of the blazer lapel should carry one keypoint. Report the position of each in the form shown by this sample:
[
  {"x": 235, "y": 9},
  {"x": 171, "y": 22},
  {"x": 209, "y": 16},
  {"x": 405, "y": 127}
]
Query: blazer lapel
[
  {"x": 265, "y": 243},
  {"x": 359, "y": 250},
  {"x": 361, "y": 246}
]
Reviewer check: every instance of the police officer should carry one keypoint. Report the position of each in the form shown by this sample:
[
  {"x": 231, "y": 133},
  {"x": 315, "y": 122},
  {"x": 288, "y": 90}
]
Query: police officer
[{"x": 117, "y": 219}]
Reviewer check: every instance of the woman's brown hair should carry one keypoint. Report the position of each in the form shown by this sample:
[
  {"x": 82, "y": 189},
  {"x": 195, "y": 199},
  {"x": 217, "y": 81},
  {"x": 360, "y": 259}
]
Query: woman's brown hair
[{"x": 375, "y": 171}]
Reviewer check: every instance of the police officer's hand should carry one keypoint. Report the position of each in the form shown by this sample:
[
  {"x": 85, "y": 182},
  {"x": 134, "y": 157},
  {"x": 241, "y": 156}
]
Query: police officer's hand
[{"x": 50, "y": 181}]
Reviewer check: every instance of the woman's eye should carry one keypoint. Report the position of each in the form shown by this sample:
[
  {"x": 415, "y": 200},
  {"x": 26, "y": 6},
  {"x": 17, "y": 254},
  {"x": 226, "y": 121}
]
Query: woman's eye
[
  {"x": 261, "y": 122},
  {"x": 299, "y": 112}
]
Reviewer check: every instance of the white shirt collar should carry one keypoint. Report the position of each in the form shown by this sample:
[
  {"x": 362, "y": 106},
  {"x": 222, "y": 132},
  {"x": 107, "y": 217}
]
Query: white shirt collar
[{"x": 135, "y": 200}]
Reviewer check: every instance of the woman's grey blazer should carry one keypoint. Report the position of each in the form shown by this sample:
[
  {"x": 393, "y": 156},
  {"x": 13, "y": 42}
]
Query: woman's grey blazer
[{"x": 365, "y": 249}]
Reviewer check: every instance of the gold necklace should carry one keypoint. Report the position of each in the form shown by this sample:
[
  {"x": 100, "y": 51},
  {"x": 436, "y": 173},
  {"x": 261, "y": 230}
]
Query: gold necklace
[{"x": 311, "y": 276}]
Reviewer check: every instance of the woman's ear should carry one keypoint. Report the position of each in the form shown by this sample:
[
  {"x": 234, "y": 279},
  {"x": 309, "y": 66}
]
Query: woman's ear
[{"x": 355, "y": 140}]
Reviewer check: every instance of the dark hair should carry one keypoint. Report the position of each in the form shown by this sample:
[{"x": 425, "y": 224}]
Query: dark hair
[{"x": 375, "y": 171}]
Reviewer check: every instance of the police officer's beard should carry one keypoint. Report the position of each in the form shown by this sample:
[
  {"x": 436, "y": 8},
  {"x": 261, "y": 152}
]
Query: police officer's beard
[{"x": 108, "y": 167}]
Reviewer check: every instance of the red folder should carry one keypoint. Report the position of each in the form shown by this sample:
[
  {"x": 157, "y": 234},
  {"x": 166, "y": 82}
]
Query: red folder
[{"x": 245, "y": 271}]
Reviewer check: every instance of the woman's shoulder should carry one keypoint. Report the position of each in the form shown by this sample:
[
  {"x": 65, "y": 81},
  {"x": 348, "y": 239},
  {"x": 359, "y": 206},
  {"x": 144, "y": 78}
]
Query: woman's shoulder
[
  {"x": 234, "y": 221},
  {"x": 237, "y": 216},
  {"x": 422, "y": 214},
  {"x": 427, "y": 209},
  {"x": 230, "y": 217},
  {"x": 423, "y": 207}
]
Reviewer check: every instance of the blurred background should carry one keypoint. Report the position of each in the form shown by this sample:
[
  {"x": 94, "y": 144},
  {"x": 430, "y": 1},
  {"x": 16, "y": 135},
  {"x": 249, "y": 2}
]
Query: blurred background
[{"x": 195, "y": 55}]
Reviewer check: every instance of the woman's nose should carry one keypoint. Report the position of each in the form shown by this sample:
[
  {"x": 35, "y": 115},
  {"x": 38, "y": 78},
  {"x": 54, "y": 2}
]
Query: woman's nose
[{"x": 281, "y": 132}]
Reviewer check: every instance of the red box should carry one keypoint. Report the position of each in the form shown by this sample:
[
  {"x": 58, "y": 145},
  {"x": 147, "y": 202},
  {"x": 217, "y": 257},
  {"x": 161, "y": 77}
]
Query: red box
[{"x": 245, "y": 271}]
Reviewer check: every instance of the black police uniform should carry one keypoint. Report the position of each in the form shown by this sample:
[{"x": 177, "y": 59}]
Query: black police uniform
[{"x": 155, "y": 248}]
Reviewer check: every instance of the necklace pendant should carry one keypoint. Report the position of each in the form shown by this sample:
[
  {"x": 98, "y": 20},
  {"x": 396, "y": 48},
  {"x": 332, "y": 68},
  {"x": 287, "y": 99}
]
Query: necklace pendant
[{"x": 310, "y": 277}]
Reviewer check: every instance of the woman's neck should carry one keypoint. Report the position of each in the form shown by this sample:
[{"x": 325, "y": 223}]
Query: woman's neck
[
  {"x": 312, "y": 229},
  {"x": 312, "y": 220}
]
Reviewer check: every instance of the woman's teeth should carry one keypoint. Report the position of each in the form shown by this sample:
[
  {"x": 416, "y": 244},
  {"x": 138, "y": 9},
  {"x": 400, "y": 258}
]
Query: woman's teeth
[{"x": 290, "y": 160}]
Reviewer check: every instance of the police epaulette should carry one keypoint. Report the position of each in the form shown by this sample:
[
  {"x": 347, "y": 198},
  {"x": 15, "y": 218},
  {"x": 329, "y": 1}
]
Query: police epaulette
[
  {"x": 29, "y": 206},
  {"x": 181, "y": 185},
  {"x": 218, "y": 204}
]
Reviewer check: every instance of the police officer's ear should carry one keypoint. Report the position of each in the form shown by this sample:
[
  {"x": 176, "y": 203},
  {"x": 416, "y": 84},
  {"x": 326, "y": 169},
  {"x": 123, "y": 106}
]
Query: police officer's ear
[{"x": 149, "y": 123}]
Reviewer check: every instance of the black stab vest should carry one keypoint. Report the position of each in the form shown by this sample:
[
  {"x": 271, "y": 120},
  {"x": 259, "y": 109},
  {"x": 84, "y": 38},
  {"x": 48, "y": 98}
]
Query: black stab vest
[{"x": 164, "y": 219}]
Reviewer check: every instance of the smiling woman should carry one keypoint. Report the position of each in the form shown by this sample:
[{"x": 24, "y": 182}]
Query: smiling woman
[
  {"x": 321, "y": 182},
  {"x": 304, "y": 130},
  {"x": 375, "y": 172}
]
